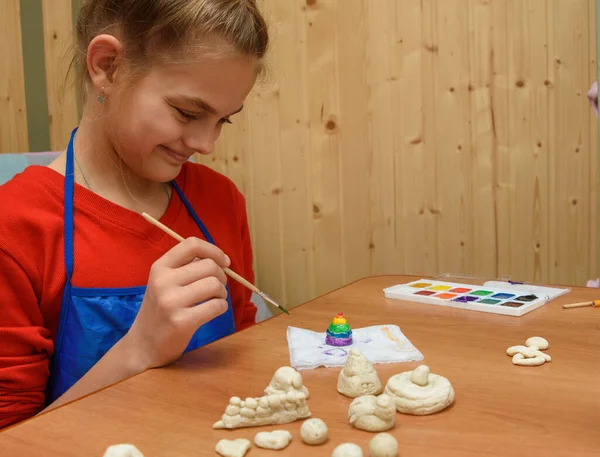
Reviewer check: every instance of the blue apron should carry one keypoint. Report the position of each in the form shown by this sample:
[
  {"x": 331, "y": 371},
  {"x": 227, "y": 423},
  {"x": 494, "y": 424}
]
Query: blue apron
[{"x": 92, "y": 320}]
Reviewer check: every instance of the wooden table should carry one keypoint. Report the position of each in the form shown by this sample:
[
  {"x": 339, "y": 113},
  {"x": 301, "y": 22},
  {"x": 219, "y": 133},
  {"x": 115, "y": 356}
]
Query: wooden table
[{"x": 500, "y": 409}]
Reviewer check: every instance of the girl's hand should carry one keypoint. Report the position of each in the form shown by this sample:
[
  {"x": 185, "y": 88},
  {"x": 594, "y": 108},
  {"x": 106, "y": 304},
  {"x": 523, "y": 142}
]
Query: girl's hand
[{"x": 186, "y": 289}]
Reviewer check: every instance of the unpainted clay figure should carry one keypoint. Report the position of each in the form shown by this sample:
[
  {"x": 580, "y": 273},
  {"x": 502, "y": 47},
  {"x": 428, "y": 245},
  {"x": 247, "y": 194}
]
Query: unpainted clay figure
[
  {"x": 285, "y": 380},
  {"x": 271, "y": 409},
  {"x": 530, "y": 355},
  {"x": 347, "y": 450},
  {"x": 383, "y": 445},
  {"x": 420, "y": 392},
  {"x": 537, "y": 341},
  {"x": 372, "y": 413},
  {"x": 314, "y": 431},
  {"x": 277, "y": 439},
  {"x": 122, "y": 450},
  {"x": 233, "y": 448},
  {"x": 358, "y": 377}
]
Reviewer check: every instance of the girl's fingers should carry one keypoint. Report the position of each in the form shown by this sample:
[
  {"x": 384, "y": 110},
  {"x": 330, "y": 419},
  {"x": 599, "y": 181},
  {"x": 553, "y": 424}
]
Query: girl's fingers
[
  {"x": 199, "y": 291},
  {"x": 194, "y": 271},
  {"x": 186, "y": 251},
  {"x": 204, "y": 312}
]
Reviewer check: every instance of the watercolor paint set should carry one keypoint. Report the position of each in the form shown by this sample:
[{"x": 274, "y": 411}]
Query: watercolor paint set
[{"x": 495, "y": 297}]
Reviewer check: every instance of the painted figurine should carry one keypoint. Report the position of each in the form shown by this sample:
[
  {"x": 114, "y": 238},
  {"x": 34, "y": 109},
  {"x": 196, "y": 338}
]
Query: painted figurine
[{"x": 339, "y": 332}]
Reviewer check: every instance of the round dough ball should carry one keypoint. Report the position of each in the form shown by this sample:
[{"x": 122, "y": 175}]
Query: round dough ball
[
  {"x": 541, "y": 343},
  {"x": 122, "y": 450},
  {"x": 383, "y": 445},
  {"x": 347, "y": 450},
  {"x": 314, "y": 431}
]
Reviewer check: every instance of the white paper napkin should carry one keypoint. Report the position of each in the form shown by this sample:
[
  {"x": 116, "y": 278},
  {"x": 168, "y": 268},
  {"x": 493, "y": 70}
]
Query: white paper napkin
[{"x": 379, "y": 344}]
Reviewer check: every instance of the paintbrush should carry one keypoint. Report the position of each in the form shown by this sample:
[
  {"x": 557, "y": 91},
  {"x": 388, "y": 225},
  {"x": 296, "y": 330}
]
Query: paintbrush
[
  {"x": 594, "y": 303},
  {"x": 227, "y": 271}
]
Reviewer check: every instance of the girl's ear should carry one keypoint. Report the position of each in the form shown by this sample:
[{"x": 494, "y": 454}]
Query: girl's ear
[{"x": 103, "y": 55}]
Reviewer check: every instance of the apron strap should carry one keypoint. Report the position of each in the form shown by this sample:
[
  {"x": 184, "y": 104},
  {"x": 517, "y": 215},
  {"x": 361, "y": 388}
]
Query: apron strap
[
  {"x": 193, "y": 213},
  {"x": 68, "y": 209}
]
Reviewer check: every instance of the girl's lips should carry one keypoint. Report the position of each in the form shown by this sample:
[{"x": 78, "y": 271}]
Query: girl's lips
[{"x": 174, "y": 155}]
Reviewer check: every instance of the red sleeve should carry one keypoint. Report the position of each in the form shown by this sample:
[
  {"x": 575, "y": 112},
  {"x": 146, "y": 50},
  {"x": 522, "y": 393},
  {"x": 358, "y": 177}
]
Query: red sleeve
[
  {"x": 249, "y": 310},
  {"x": 25, "y": 345}
]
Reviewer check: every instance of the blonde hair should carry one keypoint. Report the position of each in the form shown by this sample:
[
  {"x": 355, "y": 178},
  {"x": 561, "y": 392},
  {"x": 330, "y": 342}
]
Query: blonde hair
[{"x": 151, "y": 30}]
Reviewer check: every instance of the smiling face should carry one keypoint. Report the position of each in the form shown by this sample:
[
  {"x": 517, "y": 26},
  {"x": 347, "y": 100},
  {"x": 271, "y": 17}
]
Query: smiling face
[{"x": 176, "y": 110}]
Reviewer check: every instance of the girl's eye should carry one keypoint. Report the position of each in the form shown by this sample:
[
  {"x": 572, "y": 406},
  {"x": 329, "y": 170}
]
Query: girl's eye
[{"x": 185, "y": 115}]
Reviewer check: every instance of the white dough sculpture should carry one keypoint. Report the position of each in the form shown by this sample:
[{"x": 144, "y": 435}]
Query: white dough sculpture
[
  {"x": 383, "y": 445},
  {"x": 420, "y": 392},
  {"x": 278, "y": 439},
  {"x": 358, "y": 377},
  {"x": 347, "y": 450},
  {"x": 122, "y": 450},
  {"x": 314, "y": 431},
  {"x": 233, "y": 448},
  {"x": 372, "y": 414},
  {"x": 541, "y": 343},
  {"x": 530, "y": 355},
  {"x": 285, "y": 380},
  {"x": 271, "y": 409}
]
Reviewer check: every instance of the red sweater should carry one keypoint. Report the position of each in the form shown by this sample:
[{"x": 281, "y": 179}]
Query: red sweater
[{"x": 114, "y": 247}]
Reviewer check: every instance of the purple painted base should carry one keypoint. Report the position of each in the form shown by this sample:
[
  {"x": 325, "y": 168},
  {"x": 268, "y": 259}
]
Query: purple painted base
[{"x": 331, "y": 341}]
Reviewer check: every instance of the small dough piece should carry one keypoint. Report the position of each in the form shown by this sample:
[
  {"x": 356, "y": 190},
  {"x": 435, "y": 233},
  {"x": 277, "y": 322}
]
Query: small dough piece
[
  {"x": 383, "y": 445},
  {"x": 278, "y": 439},
  {"x": 314, "y": 431},
  {"x": 373, "y": 414},
  {"x": 233, "y": 448},
  {"x": 528, "y": 356},
  {"x": 541, "y": 343},
  {"x": 520, "y": 359},
  {"x": 420, "y": 392},
  {"x": 347, "y": 450},
  {"x": 122, "y": 450},
  {"x": 358, "y": 377}
]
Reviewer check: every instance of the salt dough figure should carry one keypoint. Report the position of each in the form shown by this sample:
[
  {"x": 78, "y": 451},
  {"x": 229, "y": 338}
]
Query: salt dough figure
[
  {"x": 233, "y": 448},
  {"x": 383, "y": 445},
  {"x": 314, "y": 431},
  {"x": 286, "y": 404},
  {"x": 339, "y": 332},
  {"x": 278, "y": 439},
  {"x": 420, "y": 392},
  {"x": 285, "y": 380},
  {"x": 122, "y": 450},
  {"x": 358, "y": 377},
  {"x": 537, "y": 341},
  {"x": 372, "y": 414},
  {"x": 347, "y": 450},
  {"x": 530, "y": 355}
]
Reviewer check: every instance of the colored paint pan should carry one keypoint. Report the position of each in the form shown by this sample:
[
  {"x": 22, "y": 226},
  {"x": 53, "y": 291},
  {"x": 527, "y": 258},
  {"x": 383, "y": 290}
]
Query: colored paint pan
[
  {"x": 459, "y": 290},
  {"x": 482, "y": 293},
  {"x": 465, "y": 299},
  {"x": 420, "y": 285},
  {"x": 425, "y": 292},
  {"x": 440, "y": 287},
  {"x": 445, "y": 296},
  {"x": 526, "y": 298},
  {"x": 512, "y": 304},
  {"x": 503, "y": 296},
  {"x": 489, "y": 301}
]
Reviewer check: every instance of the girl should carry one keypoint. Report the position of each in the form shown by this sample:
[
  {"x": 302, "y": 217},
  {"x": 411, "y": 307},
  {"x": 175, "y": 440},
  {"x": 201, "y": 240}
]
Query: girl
[{"x": 84, "y": 302}]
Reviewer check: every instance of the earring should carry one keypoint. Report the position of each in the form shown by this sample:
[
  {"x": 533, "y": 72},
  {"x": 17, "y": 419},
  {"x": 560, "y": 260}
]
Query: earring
[{"x": 101, "y": 97}]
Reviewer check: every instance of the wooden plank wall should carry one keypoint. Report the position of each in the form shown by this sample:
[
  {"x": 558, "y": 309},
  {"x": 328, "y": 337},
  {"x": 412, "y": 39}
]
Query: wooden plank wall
[
  {"x": 413, "y": 136},
  {"x": 13, "y": 120},
  {"x": 420, "y": 137}
]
